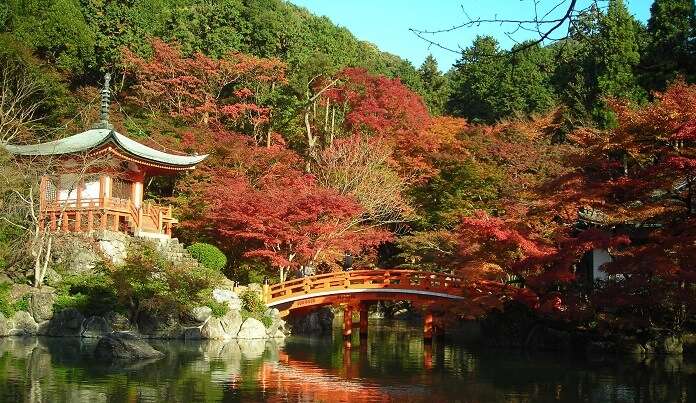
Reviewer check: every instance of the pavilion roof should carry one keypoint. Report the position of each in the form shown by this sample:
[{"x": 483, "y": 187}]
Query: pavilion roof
[{"x": 95, "y": 138}]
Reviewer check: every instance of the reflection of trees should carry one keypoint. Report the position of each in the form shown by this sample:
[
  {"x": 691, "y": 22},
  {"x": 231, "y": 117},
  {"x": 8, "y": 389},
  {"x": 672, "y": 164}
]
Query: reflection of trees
[{"x": 390, "y": 366}]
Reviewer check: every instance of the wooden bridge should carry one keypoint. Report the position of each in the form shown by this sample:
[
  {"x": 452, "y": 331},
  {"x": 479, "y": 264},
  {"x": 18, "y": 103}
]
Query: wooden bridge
[{"x": 356, "y": 290}]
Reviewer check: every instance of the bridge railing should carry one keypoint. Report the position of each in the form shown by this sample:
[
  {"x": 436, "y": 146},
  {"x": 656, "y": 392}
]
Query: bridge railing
[{"x": 365, "y": 279}]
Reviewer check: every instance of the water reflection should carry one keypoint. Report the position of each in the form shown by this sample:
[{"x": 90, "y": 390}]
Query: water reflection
[{"x": 393, "y": 364}]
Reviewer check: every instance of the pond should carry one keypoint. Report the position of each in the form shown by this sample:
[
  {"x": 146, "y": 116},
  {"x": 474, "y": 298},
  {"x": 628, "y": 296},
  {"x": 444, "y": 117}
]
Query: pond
[{"x": 392, "y": 365}]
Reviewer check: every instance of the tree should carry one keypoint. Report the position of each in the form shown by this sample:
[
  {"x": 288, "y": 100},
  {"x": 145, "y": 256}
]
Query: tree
[
  {"x": 286, "y": 219},
  {"x": 618, "y": 53},
  {"x": 204, "y": 91},
  {"x": 671, "y": 49},
  {"x": 436, "y": 87},
  {"x": 385, "y": 108}
]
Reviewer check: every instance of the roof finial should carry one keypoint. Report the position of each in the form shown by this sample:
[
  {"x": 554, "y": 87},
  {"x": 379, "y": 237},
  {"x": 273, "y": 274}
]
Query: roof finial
[{"x": 105, "y": 103}]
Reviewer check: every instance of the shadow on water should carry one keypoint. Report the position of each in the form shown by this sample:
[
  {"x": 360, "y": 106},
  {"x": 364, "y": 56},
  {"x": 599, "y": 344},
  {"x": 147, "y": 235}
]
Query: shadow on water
[{"x": 392, "y": 364}]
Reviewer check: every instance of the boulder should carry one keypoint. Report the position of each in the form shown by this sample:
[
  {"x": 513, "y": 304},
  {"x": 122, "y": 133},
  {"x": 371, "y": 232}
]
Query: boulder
[
  {"x": 228, "y": 297},
  {"x": 201, "y": 314},
  {"x": 41, "y": 306},
  {"x": 223, "y": 328},
  {"x": 124, "y": 346},
  {"x": 5, "y": 326},
  {"x": 95, "y": 327},
  {"x": 252, "y": 329},
  {"x": 277, "y": 327},
  {"x": 118, "y": 322},
  {"x": 213, "y": 330},
  {"x": 317, "y": 322},
  {"x": 24, "y": 325},
  {"x": 672, "y": 345},
  {"x": 192, "y": 333},
  {"x": 67, "y": 322},
  {"x": 159, "y": 326},
  {"x": 231, "y": 323}
]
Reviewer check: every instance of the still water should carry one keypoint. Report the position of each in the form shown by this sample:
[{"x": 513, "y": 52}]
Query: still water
[{"x": 392, "y": 365}]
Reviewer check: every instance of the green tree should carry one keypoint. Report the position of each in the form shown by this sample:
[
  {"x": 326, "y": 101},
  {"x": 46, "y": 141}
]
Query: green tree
[
  {"x": 618, "y": 53},
  {"x": 671, "y": 48},
  {"x": 435, "y": 86}
]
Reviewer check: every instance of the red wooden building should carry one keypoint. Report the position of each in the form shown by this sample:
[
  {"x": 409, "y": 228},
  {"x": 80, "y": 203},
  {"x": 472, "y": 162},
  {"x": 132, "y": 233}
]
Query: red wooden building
[{"x": 110, "y": 196}]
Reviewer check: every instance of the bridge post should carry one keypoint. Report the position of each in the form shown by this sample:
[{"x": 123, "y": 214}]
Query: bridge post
[
  {"x": 363, "y": 320},
  {"x": 428, "y": 326},
  {"x": 347, "y": 322}
]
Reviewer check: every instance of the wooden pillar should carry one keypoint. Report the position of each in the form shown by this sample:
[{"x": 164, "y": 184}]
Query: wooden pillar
[
  {"x": 363, "y": 320},
  {"x": 53, "y": 221},
  {"x": 114, "y": 224},
  {"x": 428, "y": 327},
  {"x": 90, "y": 217},
  {"x": 64, "y": 222},
  {"x": 347, "y": 322}
]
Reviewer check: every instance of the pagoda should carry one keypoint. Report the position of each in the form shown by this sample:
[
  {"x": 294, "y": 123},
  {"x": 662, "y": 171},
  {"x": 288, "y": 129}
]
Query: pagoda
[{"x": 107, "y": 197}]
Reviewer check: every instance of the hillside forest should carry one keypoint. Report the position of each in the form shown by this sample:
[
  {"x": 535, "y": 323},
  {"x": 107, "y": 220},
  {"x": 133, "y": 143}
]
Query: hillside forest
[{"x": 507, "y": 169}]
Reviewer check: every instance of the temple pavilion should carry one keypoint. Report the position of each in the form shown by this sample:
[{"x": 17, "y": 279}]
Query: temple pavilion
[{"x": 108, "y": 196}]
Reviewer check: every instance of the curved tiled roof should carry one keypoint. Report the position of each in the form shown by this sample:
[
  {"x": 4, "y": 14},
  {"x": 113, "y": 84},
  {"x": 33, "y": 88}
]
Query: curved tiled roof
[{"x": 94, "y": 138}]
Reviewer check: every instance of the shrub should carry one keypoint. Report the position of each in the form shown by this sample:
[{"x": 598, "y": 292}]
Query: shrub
[
  {"x": 91, "y": 294},
  {"x": 148, "y": 282},
  {"x": 8, "y": 307},
  {"x": 219, "y": 308},
  {"x": 254, "y": 307},
  {"x": 208, "y": 255}
]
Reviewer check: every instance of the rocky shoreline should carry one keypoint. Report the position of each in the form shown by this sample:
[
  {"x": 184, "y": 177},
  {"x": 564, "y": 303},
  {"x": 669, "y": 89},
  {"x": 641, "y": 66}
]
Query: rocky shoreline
[{"x": 199, "y": 324}]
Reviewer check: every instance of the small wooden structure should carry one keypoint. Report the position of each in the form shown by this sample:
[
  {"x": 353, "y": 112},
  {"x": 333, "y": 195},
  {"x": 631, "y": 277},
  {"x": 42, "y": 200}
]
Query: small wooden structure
[
  {"x": 356, "y": 290},
  {"x": 110, "y": 196}
]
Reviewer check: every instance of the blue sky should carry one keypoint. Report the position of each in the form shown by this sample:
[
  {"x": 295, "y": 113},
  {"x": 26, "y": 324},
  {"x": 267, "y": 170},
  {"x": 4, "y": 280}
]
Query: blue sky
[{"x": 386, "y": 22}]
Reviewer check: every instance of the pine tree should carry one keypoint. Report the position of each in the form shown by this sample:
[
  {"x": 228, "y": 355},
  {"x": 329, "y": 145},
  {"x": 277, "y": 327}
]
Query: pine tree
[
  {"x": 671, "y": 48},
  {"x": 619, "y": 53},
  {"x": 436, "y": 86}
]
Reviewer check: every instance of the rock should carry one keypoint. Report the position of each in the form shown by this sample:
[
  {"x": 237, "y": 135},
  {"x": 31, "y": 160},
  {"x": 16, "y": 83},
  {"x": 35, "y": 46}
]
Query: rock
[
  {"x": 124, "y": 346},
  {"x": 118, "y": 322},
  {"x": 95, "y": 327},
  {"x": 213, "y": 330},
  {"x": 231, "y": 323},
  {"x": 76, "y": 254},
  {"x": 672, "y": 345},
  {"x": 317, "y": 322},
  {"x": 192, "y": 333},
  {"x": 5, "y": 326},
  {"x": 165, "y": 326},
  {"x": 224, "y": 328},
  {"x": 277, "y": 327},
  {"x": 41, "y": 306},
  {"x": 201, "y": 314},
  {"x": 689, "y": 343},
  {"x": 67, "y": 322},
  {"x": 114, "y": 245},
  {"x": 24, "y": 325},
  {"x": 229, "y": 297},
  {"x": 252, "y": 329}
]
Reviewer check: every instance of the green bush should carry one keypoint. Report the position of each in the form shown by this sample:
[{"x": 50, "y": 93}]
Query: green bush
[
  {"x": 8, "y": 307},
  {"x": 148, "y": 282},
  {"x": 208, "y": 255},
  {"x": 91, "y": 294},
  {"x": 219, "y": 308},
  {"x": 254, "y": 307}
]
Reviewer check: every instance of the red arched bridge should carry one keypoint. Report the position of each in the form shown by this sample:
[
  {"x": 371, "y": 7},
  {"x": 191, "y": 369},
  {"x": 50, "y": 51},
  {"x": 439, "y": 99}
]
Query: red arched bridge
[{"x": 357, "y": 289}]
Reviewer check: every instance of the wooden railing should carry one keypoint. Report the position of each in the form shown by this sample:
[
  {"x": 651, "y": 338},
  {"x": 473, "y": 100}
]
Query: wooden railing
[
  {"x": 365, "y": 279},
  {"x": 106, "y": 213}
]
